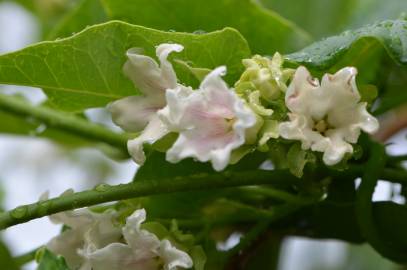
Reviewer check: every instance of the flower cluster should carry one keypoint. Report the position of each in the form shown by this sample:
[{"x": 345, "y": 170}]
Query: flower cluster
[
  {"x": 94, "y": 242},
  {"x": 215, "y": 122}
]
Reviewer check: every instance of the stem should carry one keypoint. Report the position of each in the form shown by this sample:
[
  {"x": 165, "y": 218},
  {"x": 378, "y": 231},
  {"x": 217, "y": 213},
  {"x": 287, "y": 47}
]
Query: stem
[
  {"x": 26, "y": 257},
  {"x": 64, "y": 121},
  {"x": 276, "y": 214},
  {"x": 396, "y": 159},
  {"x": 104, "y": 193},
  {"x": 364, "y": 206}
]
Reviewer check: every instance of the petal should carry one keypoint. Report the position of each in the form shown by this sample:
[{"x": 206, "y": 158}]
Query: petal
[
  {"x": 117, "y": 256},
  {"x": 139, "y": 240},
  {"x": 203, "y": 116},
  {"x": 154, "y": 131},
  {"x": 300, "y": 92},
  {"x": 172, "y": 114},
  {"x": 336, "y": 150},
  {"x": 145, "y": 72},
  {"x": 66, "y": 244},
  {"x": 173, "y": 257},
  {"x": 167, "y": 71},
  {"x": 133, "y": 113}
]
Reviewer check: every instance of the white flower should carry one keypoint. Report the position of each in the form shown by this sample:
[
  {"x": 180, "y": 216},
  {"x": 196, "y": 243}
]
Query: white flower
[
  {"x": 211, "y": 121},
  {"x": 143, "y": 250},
  {"x": 136, "y": 113},
  {"x": 82, "y": 222},
  {"x": 326, "y": 117}
]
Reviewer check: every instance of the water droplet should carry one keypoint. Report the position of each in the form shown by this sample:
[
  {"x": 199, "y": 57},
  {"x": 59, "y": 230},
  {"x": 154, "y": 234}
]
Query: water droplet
[
  {"x": 102, "y": 187},
  {"x": 199, "y": 32},
  {"x": 19, "y": 212},
  {"x": 40, "y": 129},
  {"x": 172, "y": 30}
]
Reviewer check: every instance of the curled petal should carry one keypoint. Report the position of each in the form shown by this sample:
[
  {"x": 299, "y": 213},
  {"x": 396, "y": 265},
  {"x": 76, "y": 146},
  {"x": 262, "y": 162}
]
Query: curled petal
[
  {"x": 154, "y": 131},
  {"x": 145, "y": 72},
  {"x": 141, "y": 241},
  {"x": 173, "y": 257}
]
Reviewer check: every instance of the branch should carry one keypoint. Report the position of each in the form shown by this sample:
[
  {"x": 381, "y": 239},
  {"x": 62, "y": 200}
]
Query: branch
[
  {"x": 64, "y": 121},
  {"x": 364, "y": 206},
  {"x": 105, "y": 193}
]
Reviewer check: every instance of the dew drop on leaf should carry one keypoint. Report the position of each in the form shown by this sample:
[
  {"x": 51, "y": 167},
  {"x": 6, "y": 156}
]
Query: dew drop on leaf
[{"x": 102, "y": 187}]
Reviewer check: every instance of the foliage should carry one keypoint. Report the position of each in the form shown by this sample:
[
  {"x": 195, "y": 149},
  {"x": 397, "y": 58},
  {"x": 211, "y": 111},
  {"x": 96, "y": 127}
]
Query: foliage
[{"x": 269, "y": 190}]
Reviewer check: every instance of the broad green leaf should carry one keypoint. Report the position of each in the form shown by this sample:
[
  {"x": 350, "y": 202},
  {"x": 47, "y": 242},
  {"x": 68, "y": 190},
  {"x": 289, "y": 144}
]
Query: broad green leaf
[
  {"x": 49, "y": 261},
  {"x": 391, "y": 35},
  {"x": 85, "y": 70},
  {"x": 86, "y": 13},
  {"x": 6, "y": 260},
  {"x": 318, "y": 17},
  {"x": 323, "y": 18},
  {"x": 266, "y": 31},
  {"x": 370, "y": 11}
]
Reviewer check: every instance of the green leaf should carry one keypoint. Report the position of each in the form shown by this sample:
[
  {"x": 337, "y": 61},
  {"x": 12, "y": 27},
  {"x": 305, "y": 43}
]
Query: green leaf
[
  {"x": 265, "y": 30},
  {"x": 85, "y": 70},
  {"x": 318, "y": 17},
  {"x": 390, "y": 35},
  {"x": 49, "y": 261},
  {"x": 87, "y": 12},
  {"x": 323, "y": 18},
  {"x": 6, "y": 260},
  {"x": 391, "y": 220}
]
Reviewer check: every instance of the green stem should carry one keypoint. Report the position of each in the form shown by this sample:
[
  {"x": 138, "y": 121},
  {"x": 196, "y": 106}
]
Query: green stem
[
  {"x": 364, "y": 206},
  {"x": 104, "y": 193},
  {"x": 64, "y": 121},
  {"x": 26, "y": 257},
  {"x": 395, "y": 159},
  {"x": 276, "y": 214}
]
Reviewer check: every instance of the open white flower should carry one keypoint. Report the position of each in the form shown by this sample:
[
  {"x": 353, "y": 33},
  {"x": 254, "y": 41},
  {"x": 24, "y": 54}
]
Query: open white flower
[
  {"x": 143, "y": 250},
  {"x": 326, "y": 117},
  {"x": 137, "y": 113},
  {"x": 82, "y": 222},
  {"x": 211, "y": 121}
]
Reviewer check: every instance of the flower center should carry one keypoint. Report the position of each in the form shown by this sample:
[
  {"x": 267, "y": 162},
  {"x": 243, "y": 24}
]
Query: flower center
[
  {"x": 321, "y": 126},
  {"x": 230, "y": 123}
]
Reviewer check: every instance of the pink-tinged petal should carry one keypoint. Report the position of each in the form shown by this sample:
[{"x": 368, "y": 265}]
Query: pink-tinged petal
[
  {"x": 154, "y": 131},
  {"x": 145, "y": 73},
  {"x": 133, "y": 113},
  {"x": 211, "y": 121},
  {"x": 173, "y": 257}
]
